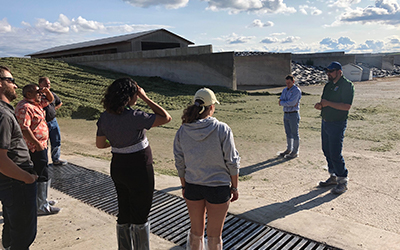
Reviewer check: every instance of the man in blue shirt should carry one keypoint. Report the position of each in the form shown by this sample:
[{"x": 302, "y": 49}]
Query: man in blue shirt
[
  {"x": 336, "y": 101},
  {"x": 290, "y": 100}
]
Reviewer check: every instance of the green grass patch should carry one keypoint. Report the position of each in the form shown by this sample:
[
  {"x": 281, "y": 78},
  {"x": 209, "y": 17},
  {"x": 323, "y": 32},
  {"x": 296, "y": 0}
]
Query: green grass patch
[
  {"x": 383, "y": 148},
  {"x": 245, "y": 177},
  {"x": 166, "y": 171},
  {"x": 81, "y": 88}
]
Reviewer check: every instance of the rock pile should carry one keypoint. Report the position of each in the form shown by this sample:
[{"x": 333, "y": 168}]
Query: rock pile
[{"x": 308, "y": 75}]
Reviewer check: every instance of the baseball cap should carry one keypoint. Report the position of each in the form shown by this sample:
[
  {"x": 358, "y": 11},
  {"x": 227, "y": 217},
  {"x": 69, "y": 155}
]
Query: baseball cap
[
  {"x": 207, "y": 96},
  {"x": 334, "y": 65}
]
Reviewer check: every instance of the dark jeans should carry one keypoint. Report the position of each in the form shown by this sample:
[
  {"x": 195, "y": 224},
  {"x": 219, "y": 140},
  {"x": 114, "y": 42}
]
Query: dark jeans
[
  {"x": 55, "y": 139},
  {"x": 332, "y": 135},
  {"x": 133, "y": 178},
  {"x": 40, "y": 164},
  {"x": 19, "y": 213}
]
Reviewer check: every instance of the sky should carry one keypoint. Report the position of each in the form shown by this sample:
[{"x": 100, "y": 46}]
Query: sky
[{"x": 296, "y": 26}]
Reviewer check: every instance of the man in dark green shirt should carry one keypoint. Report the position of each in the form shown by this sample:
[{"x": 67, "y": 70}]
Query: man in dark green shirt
[{"x": 336, "y": 101}]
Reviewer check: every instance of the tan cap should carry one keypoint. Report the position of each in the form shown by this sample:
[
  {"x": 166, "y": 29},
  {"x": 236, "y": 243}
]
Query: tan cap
[{"x": 207, "y": 96}]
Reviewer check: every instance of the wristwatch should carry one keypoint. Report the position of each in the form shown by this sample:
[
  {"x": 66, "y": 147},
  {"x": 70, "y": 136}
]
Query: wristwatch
[{"x": 234, "y": 189}]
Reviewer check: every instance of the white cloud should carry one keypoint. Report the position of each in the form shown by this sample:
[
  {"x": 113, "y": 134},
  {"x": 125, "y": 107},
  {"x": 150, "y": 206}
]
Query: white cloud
[
  {"x": 342, "y": 44},
  {"x": 343, "y": 3},
  {"x": 45, "y": 34},
  {"x": 258, "y": 23},
  {"x": 236, "y": 39},
  {"x": 289, "y": 39},
  {"x": 278, "y": 34},
  {"x": 5, "y": 26},
  {"x": 168, "y": 4},
  {"x": 384, "y": 12},
  {"x": 256, "y": 6},
  {"x": 314, "y": 11}
]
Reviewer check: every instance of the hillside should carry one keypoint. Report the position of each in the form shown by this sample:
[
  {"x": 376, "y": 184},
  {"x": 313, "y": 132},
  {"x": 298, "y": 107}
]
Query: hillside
[{"x": 81, "y": 88}]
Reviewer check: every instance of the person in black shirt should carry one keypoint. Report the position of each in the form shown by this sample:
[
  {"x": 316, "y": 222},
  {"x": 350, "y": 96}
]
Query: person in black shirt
[{"x": 54, "y": 129}]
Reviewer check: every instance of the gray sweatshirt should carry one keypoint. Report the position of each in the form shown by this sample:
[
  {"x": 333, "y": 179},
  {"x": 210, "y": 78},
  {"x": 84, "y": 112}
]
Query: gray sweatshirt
[{"x": 205, "y": 153}]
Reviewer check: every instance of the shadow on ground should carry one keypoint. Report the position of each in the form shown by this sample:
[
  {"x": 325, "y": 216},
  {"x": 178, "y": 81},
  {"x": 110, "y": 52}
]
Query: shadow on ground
[
  {"x": 262, "y": 165},
  {"x": 272, "y": 212}
]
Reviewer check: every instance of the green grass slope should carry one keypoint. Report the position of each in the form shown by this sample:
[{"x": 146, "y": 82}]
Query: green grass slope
[{"x": 81, "y": 88}]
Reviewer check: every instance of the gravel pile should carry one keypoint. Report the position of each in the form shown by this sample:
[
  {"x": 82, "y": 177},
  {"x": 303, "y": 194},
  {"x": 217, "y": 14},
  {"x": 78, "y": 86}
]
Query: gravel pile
[{"x": 308, "y": 75}]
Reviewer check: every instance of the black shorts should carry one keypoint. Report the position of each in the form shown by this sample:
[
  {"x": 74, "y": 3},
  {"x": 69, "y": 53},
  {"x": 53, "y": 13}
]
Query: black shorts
[{"x": 214, "y": 195}]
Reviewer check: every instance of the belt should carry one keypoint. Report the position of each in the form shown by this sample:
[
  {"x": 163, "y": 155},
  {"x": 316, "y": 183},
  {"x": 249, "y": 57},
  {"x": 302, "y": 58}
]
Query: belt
[
  {"x": 291, "y": 112},
  {"x": 131, "y": 149}
]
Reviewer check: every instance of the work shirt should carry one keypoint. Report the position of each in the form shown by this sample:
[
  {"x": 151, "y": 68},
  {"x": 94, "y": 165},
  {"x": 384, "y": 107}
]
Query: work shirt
[
  {"x": 340, "y": 92},
  {"x": 290, "y": 99},
  {"x": 30, "y": 115},
  {"x": 11, "y": 138}
]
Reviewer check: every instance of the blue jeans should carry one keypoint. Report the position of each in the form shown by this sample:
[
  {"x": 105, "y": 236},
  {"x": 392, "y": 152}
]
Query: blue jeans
[
  {"x": 291, "y": 123},
  {"x": 55, "y": 139},
  {"x": 332, "y": 135},
  {"x": 19, "y": 213}
]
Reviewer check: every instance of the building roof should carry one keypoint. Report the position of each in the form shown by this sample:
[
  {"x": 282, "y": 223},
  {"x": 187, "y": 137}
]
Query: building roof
[{"x": 109, "y": 40}]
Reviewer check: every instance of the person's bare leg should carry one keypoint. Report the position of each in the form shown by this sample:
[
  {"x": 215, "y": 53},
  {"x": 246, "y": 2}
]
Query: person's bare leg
[
  {"x": 216, "y": 214},
  {"x": 197, "y": 214}
]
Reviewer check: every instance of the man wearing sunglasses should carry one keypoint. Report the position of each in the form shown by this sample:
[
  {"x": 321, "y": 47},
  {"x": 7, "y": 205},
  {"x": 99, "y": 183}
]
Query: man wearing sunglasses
[
  {"x": 32, "y": 120},
  {"x": 17, "y": 178},
  {"x": 336, "y": 101}
]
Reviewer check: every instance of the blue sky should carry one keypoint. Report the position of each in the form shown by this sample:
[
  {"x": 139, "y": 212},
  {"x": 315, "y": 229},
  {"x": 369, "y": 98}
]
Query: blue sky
[{"x": 353, "y": 26}]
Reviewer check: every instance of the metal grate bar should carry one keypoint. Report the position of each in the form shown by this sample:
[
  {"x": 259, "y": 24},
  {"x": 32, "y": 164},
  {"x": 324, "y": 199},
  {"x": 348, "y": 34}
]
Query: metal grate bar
[{"x": 169, "y": 217}]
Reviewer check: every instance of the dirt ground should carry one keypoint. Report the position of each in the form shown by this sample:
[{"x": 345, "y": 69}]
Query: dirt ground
[{"x": 274, "y": 191}]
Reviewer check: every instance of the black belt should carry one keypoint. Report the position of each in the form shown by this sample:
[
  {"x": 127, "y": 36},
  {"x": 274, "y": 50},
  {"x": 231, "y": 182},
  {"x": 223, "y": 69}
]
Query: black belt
[{"x": 291, "y": 112}]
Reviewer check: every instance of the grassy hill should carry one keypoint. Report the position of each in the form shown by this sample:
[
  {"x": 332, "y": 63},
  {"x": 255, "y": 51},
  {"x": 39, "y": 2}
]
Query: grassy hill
[{"x": 81, "y": 88}]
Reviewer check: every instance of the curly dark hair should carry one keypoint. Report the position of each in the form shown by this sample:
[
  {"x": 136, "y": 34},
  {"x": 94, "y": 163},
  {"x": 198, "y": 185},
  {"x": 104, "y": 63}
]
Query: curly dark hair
[
  {"x": 118, "y": 94},
  {"x": 194, "y": 112}
]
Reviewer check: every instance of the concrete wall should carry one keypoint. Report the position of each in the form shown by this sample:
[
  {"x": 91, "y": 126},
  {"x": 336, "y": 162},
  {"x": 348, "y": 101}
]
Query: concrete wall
[
  {"x": 380, "y": 61},
  {"x": 324, "y": 59},
  {"x": 396, "y": 60},
  {"x": 193, "y": 65},
  {"x": 262, "y": 70}
]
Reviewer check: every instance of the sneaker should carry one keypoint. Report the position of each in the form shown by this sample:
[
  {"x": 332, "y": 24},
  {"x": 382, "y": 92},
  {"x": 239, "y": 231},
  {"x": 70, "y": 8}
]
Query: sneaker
[
  {"x": 330, "y": 181},
  {"x": 340, "y": 188},
  {"x": 52, "y": 202},
  {"x": 59, "y": 162},
  {"x": 292, "y": 155},
  {"x": 48, "y": 211},
  {"x": 286, "y": 152}
]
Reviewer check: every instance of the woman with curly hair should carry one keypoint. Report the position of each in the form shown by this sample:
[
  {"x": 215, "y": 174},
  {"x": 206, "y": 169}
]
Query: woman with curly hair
[
  {"x": 124, "y": 129},
  {"x": 208, "y": 166}
]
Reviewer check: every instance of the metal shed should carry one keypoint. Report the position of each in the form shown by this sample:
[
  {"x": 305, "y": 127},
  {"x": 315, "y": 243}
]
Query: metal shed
[{"x": 141, "y": 41}]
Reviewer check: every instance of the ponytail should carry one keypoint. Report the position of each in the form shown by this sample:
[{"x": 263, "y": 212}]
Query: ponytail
[{"x": 194, "y": 112}]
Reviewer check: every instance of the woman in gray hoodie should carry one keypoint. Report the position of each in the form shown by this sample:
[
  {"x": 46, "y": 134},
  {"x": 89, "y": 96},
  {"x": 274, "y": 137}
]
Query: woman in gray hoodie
[{"x": 208, "y": 166}]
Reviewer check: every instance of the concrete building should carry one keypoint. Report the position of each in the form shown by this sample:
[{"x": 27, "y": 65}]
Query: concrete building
[
  {"x": 164, "y": 54},
  {"x": 141, "y": 41}
]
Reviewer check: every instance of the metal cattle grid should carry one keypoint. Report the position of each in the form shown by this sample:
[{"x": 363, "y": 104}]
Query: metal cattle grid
[{"x": 169, "y": 218}]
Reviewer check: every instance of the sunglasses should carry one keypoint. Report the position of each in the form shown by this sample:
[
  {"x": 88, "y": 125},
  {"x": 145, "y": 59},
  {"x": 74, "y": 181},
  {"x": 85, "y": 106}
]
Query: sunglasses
[
  {"x": 330, "y": 70},
  {"x": 10, "y": 79}
]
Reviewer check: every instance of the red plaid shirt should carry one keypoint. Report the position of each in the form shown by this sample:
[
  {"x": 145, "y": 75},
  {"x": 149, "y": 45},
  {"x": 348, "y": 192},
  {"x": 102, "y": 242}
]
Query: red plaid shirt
[{"x": 30, "y": 115}]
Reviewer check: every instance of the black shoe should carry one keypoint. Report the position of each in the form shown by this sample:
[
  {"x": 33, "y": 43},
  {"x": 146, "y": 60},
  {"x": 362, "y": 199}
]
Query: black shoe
[{"x": 59, "y": 162}]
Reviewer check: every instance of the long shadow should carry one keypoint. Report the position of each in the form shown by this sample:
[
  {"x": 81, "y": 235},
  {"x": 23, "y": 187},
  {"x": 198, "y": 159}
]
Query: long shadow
[
  {"x": 278, "y": 210},
  {"x": 262, "y": 165}
]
